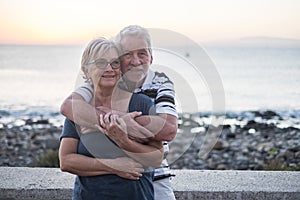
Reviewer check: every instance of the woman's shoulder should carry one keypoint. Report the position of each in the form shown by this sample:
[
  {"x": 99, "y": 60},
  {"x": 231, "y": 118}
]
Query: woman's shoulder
[
  {"x": 141, "y": 103},
  {"x": 140, "y": 97},
  {"x": 69, "y": 130}
]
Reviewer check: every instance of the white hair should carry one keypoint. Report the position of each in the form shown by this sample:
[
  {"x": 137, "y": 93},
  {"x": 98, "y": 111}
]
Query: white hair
[{"x": 134, "y": 30}]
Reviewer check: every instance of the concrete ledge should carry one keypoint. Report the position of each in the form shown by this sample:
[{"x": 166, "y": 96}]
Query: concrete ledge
[
  {"x": 244, "y": 185},
  {"x": 50, "y": 183}
]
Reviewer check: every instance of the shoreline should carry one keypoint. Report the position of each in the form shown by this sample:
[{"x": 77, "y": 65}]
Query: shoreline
[{"x": 250, "y": 140}]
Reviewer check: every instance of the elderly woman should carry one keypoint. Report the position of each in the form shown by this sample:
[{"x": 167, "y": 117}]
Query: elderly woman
[{"x": 108, "y": 164}]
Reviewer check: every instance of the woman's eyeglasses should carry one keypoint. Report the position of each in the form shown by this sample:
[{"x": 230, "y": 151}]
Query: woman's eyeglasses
[{"x": 102, "y": 63}]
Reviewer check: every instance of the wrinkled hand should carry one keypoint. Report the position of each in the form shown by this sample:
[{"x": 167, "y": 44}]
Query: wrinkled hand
[
  {"x": 134, "y": 130},
  {"x": 114, "y": 128},
  {"x": 110, "y": 124},
  {"x": 126, "y": 168}
]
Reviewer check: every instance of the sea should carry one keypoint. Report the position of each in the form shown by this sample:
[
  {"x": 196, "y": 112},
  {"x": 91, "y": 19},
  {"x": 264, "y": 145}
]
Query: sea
[{"x": 35, "y": 79}]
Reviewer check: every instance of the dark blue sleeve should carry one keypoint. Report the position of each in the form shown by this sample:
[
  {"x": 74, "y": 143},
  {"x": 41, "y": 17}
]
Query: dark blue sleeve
[
  {"x": 69, "y": 130},
  {"x": 141, "y": 103}
]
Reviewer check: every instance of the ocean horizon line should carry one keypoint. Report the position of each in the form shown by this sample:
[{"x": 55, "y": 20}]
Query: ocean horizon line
[{"x": 242, "y": 41}]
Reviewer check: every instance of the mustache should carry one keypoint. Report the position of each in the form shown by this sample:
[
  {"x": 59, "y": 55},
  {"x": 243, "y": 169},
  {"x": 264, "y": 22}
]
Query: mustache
[{"x": 133, "y": 68}]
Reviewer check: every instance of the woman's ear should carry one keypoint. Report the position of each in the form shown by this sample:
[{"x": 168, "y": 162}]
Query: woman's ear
[
  {"x": 86, "y": 74},
  {"x": 85, "y": 70}
]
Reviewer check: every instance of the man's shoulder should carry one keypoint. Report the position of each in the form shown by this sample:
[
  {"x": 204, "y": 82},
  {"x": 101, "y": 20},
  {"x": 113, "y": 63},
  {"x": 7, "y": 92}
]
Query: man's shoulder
[
  {"x": 86, "y": 91},
  {"x": 157, "y": 78},
  {"x": 156, "y": 81},
  {"x": 160, "y": 78},
  {"x": 87, "y": 87}
]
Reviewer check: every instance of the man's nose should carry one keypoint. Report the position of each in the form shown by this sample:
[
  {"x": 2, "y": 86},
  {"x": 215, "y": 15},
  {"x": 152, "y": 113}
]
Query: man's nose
[{"x": 135, "y": 60}]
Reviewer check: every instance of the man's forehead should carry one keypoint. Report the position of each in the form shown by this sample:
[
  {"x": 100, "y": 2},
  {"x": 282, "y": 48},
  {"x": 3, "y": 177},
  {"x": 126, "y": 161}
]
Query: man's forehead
[
  {"x": 135, "y": 50},
  {"x": 132, "y": 43}
]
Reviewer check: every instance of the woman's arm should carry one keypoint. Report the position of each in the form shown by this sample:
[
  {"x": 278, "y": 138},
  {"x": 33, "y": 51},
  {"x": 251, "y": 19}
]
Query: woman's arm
[
  {"x": 82, "y": 165},
  {"x": 148, "y": 154}
]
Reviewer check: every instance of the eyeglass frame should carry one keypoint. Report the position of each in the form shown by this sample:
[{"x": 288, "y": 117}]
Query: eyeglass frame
[{"x": 106, "y": 63}]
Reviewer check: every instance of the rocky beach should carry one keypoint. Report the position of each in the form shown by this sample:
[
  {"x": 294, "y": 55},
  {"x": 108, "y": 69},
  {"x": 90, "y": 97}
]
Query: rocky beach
[
  {"x": 250, "y": 140},
  {"x": 25, "y": 140}
]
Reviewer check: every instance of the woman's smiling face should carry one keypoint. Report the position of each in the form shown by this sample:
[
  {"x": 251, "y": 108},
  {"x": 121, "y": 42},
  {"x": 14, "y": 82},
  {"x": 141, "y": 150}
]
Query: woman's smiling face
[{"x": 105, "y": 71}]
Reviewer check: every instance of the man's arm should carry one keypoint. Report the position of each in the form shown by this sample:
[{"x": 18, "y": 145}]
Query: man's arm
[
  {"x": 78, "y": 110},
  {"x": 82, "y": 113},
  {"x": 164, "y": 126}
]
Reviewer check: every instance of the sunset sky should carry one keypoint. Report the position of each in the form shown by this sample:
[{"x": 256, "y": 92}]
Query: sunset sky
[{"x": 75, "y": 22}]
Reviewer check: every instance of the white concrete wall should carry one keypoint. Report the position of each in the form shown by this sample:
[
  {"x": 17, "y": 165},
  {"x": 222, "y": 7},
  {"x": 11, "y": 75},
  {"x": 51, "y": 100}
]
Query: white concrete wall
[{"x": 51, "y": 183}]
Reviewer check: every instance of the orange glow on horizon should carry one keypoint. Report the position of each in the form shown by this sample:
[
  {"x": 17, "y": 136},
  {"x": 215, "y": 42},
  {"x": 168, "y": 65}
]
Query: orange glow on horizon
[{"x": 76, "y": 22}]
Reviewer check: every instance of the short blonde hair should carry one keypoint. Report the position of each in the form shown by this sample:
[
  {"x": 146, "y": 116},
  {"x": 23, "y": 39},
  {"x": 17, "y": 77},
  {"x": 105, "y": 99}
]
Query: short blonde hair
[{"x": 95, "y": 49}]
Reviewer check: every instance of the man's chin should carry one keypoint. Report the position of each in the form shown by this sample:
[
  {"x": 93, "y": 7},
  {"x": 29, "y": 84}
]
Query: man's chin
[{"x": 137, "y": 77}]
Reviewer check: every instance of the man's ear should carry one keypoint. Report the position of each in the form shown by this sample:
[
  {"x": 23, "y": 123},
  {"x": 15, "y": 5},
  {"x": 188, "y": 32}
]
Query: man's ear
[{"x": 151, "y": 59}]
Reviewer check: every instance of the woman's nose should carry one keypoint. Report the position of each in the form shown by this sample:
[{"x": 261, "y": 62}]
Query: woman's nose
[{"x": 108, "y": 67}]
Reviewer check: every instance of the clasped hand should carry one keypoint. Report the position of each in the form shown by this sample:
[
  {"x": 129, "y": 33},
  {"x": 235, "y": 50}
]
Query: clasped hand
[{"x": 121, "y": 128}]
